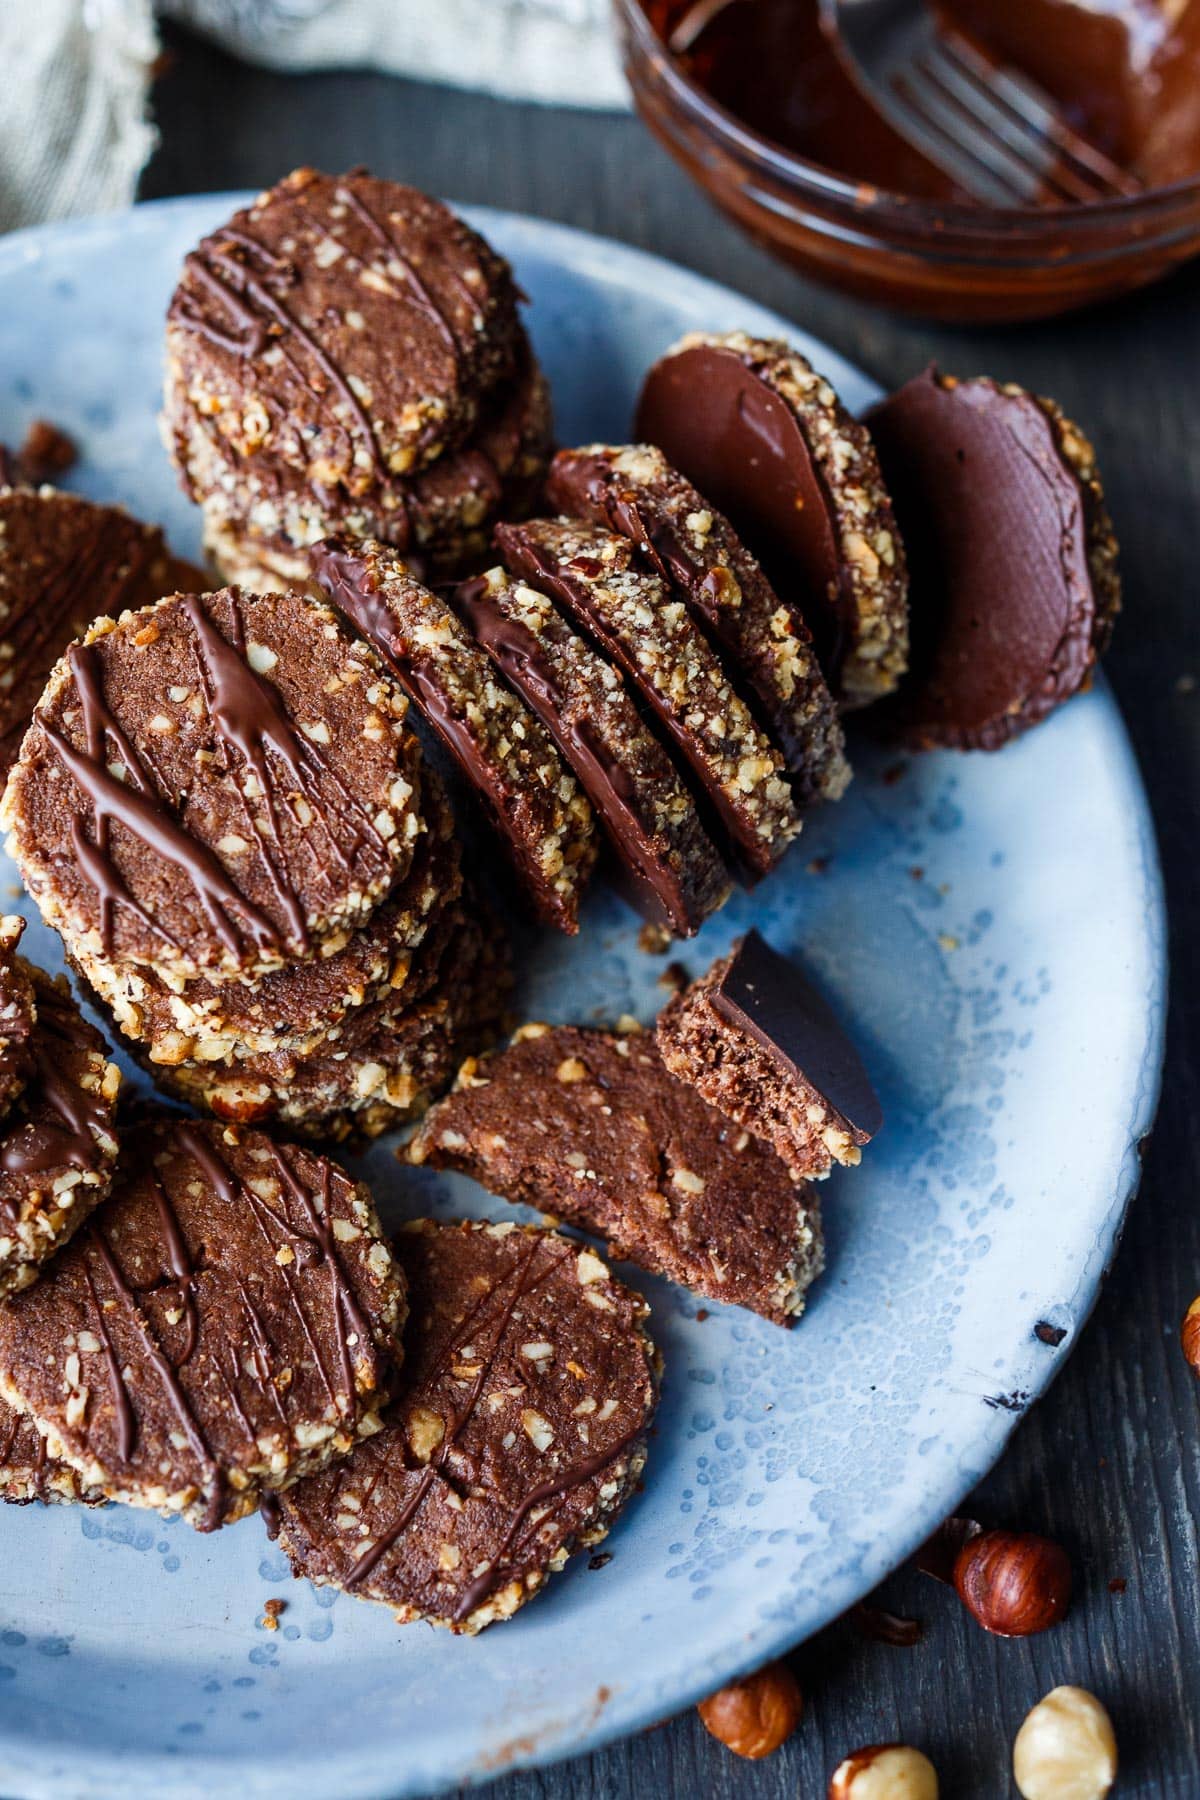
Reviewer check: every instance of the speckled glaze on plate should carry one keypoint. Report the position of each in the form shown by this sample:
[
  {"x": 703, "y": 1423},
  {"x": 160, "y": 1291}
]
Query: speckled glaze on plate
[{"x": 992, "y": 930}]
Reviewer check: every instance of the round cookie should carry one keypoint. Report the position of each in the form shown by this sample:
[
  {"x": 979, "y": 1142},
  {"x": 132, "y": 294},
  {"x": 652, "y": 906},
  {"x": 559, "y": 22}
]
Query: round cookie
[
  {"x": 214, "y": 785},
  {"x": 343, "y": 330},
  {"x": 18, "y": 1013},
  {"x": 766, "y": 439},
  {"x": 633, "y": 490},
  {"x": 297, "y": 1007},
  {"x": 538, "y": 809},
  {"x": 440, "y": 519},
  {"x": 1012, "y": 552},
  {"x": 518, "y": 1433},
  {"x": 672, "y": 870},
  {"x": 229, "y": 1323},
  {"x": 58, "y": 1147},
  {"x": 63, "y": 563},
  {"x": 591, "y": 572}
]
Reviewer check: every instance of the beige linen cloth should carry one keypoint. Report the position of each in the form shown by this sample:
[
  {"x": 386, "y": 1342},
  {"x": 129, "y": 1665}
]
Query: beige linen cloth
[{"x": 75, "y": 129}]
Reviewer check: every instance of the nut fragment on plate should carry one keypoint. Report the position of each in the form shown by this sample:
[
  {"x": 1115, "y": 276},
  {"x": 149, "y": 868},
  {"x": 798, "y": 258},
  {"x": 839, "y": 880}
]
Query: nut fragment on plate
[
  {"x": 884, "y": 1772},
  {"x": 752, "y": 1717},
  {"x": 1066, "y": 1749},
  {"x": 1189, "y": 1335},
  {"x": 1014, "y": 1583}
]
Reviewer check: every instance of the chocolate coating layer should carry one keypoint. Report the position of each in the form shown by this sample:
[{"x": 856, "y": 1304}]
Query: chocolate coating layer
[
  {"x": 762, "y": 1045},
  {"x": 593, "y": 1128},
  {"x": 766, "y": 440},
  {"x": 226, "y": 1324},
  {"x": 591, "y": 572},
  {"x": 1012, "y": 554},
  {"x": 518, "y": 1432}
]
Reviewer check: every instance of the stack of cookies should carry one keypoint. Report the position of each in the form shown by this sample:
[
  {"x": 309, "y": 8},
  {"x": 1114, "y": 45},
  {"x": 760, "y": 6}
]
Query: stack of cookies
[
  {"x": 220, "y": 807},
  {"x": 346, "y": 355}
]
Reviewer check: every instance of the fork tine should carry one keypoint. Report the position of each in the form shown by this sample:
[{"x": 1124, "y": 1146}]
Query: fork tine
[
  {"x": 947, "y": 147},
  {"x": 1013, "y": 141},
  {"x": 1026, "y": 106}
]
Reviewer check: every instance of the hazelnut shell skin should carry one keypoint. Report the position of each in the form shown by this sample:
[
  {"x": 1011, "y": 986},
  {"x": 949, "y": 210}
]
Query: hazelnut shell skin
[
  {"x": 1014, "y": 1583},
  {"x": 1189, "y": 1335},
  {"x": 894, "y": 1771},
  {"x": 755, "y": 1716}
]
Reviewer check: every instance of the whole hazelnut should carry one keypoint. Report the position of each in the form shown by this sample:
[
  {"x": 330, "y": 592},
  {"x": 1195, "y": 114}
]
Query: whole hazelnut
[
  {"x": 1013, "y": 1582},
  {"x": 1066, "y": 1749},
  {"x": 1189, "y": 1334},
  {"x": 885, "y": 1772},
  {"x": 753, "y": 1717}
]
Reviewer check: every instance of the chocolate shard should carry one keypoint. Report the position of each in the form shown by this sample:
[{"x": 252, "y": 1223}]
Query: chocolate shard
[
  {"x": 766, "y": 439},
  {"x": 672, "y": 871},
  {"x": 765, "y": 643},
  {"x": 1012, "y": 554},
  {"x": 758, "y": 1041}
]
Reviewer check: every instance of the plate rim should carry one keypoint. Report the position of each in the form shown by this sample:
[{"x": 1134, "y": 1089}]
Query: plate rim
[{"x": 44, "y": 1769}]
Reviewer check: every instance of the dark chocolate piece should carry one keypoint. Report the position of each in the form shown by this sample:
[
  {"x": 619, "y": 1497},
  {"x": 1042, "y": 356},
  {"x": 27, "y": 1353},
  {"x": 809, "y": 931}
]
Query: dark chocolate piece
[
  {"x": 765, "y": 439},
  {"x": 518, "y": 1432},
  {"x": 672, "y": 870},
  {"x": 226, "y": 1324},
  {"x": 1013, "y": 559},
  {"x": 762, "y": 1045},
  {"x": 214, "y": 784},
  {"x": 594, "y": 1129},
  {"x": 592, "y": 573},
  {"x": 633, "y": 490},
  {"x": 541, "y": 814}
]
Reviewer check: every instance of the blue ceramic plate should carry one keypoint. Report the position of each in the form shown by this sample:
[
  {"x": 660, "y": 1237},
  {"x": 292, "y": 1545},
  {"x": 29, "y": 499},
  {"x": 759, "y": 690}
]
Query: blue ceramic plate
[{"x": 991, "y": 927}]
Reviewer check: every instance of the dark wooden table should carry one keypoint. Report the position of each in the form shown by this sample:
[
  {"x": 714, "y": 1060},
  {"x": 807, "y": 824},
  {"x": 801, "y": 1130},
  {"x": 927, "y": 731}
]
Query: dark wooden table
[{"x": 1109, "y": 1462}]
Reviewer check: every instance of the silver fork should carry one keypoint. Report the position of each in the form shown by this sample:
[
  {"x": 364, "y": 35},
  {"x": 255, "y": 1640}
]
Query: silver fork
[{"x": 994, "y": 132}]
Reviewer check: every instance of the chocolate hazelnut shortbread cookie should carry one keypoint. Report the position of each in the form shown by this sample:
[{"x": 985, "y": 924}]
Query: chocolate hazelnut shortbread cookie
[
  {"x": 27, "y": 1469},
  {"x": 1012, "y": 552},
  {"x": 762, "y": 1045},
  {"x": 58, "y": 1146},
  {"x": 299, "y": 1007},
  {"x": 537, "y": 807},
  {"x": 671, "y": 868},
  {"x": 18, "y": 1012},
  {"x": 229, "y": 1322},
  {"x": 765, "y": 643},
  {"x": 592, "y": 573},
  {"x": 63, "y": 563},
  {"x": 593, "y": 1128},
  {"x": 518, "y": 1433},
  {"x": 213, "y": 786},
  {"x": 766, "y": 439}
]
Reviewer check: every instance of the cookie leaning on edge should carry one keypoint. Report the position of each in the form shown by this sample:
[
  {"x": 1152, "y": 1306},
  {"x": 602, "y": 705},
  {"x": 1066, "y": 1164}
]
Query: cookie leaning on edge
[
  {"x": 518, "y": 1432},
  {"x": 538, "y": 809},
  {"x": 766, "y": 439},
  {"x": 1012, "y": 552},
  {"x": 593, "y": 1128},
  {"x": 229, "y": 1322}
]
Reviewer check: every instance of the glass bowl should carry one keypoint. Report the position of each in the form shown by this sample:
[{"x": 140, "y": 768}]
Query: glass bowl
[{"x": 943, "y": 260}]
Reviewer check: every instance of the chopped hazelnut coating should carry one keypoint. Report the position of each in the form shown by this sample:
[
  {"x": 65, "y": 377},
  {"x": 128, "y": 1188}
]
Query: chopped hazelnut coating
[
  {"x": 632, "y": 489},
  {"x": 766, "y": 439},
  {"x": 537, "y": 807},
  {"x": 214, "y": 785},
  {"x": 592, "y": 1128},
  {"x": 28, "y": 1471},
  {"x": 57, "y": 1143},
  {"x": 651, "y": 636},
  {"x": 229, "y": 1322},
  {"x": 517, "y": 1433}
]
